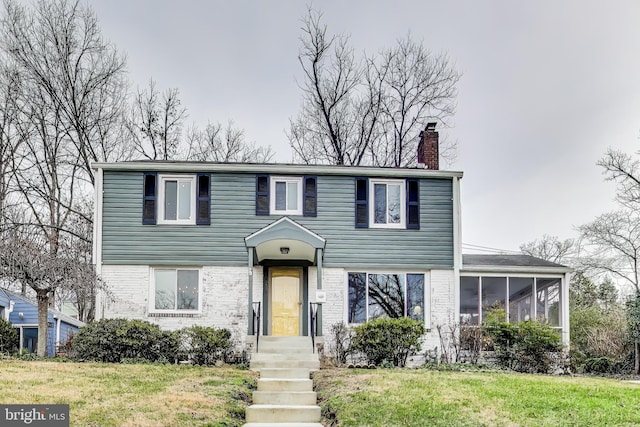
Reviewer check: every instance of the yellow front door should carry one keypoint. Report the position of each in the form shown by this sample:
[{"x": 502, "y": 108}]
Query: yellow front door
[{"x": 285, "y": 301}]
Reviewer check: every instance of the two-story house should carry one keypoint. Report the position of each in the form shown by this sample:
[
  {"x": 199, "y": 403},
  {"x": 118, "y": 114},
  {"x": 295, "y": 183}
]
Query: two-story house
[{"x": 184, "y": 243}]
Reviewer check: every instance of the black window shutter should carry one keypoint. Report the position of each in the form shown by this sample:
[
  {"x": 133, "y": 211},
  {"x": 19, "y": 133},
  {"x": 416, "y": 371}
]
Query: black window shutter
[
  {"x": 149, "y": 201},
  {"x": 262, "y": 194},
  {"x": 203, "y": 199},
  {"x": 310, "y": 196},
  {"x": 362, "y": 205},
  {"x": 413, "y": 204}
]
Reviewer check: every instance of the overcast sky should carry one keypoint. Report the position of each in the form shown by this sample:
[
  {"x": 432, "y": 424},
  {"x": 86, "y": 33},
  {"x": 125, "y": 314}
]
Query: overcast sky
[{"x": 547, "y": 86}]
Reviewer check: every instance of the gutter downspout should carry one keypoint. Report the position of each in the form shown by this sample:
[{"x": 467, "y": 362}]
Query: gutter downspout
[
  {"x": 58, "y": 321},
  {"x": 97, "y": 240},
  {"x": 457, "y": 247},
  {"x": 9, "y": 310}
]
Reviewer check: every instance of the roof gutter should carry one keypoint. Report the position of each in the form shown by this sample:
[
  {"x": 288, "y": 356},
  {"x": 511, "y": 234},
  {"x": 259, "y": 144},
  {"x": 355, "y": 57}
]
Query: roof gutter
[
  {"x": 192, "y": 167},
  {"x": 514, "y": 269}
]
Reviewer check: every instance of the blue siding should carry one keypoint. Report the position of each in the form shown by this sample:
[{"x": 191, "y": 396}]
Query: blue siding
[
  {"x": 29, "y": 312},
  {"x": 127, "y": 241}
]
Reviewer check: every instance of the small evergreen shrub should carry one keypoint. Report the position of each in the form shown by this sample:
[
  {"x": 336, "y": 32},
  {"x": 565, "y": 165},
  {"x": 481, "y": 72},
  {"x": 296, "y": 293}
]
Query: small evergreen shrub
[
  {"x": 8, "y": 338},
  {"x": 207, "y": 345},
  {"x": 600, "y": 365},
  {"x": 115, "y": 340},
  {"x": 388, "y": 340},
  {"x": 524, "y": 347}
]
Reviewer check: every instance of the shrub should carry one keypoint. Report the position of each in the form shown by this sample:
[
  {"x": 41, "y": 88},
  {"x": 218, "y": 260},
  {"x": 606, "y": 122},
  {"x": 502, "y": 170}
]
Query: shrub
[
  {"x": 8, "y": 338},
  {"x": 390, "y": 340},
  {"x": 525, "y": 347},
  {"x": 207, "y": 345},
  {"x": 341, "y": 338},
  {"x": 115, "y": 340},
  {"x": 599, "y": 365}
]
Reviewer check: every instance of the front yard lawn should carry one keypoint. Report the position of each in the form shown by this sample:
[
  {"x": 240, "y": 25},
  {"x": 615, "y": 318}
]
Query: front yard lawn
[
  {"x": 169, "y": 395},
  {"x": 131, "y": 395},
  {"x": 434, "y": 398}
]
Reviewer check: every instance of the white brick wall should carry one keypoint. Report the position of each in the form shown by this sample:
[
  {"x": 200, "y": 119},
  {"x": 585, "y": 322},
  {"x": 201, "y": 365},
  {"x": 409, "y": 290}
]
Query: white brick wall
[
  {"x": 335, "y": 287},
  {"x": 442, "y": 286},
  {"x": 224, "y": 297},
  {"x": 440, "y": 290}
]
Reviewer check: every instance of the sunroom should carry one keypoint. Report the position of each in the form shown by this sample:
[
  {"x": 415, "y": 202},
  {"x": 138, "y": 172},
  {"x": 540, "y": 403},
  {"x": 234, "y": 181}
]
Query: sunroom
[{"x": 525, "y": 287}]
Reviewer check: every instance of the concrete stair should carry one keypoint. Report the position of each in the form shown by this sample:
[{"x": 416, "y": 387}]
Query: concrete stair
[{"x": 285, "y": 395}]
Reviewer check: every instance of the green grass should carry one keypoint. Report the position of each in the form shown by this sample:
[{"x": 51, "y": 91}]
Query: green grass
[
  {"x": 131, "y": 395},
  {"x": 156, "y": 395},
  {"x": 434, "y": 398}
]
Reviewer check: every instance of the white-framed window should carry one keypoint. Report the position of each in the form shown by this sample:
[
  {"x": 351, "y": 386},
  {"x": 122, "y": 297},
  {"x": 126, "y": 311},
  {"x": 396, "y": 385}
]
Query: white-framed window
[
  {"x": 387, "y": 209},
  {"x": 374, "y": 295},
  {"x": 286, "y": 195},
  {"x": 175, "y": 290},
  {"x": 177, "y": 199}
]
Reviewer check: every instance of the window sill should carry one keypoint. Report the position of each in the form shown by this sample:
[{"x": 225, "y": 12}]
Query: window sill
[{"x": 173, "y": 314}]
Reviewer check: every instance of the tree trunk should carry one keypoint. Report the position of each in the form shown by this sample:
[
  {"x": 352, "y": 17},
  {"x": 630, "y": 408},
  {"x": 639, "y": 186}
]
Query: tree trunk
[
  {"x": 43, "y": 321},
  {"x": 636, "y": 365}
]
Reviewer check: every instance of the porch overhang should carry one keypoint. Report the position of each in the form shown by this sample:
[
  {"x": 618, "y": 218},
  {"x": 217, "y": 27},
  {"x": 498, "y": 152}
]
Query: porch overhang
[{"x": 285, "y": 240}]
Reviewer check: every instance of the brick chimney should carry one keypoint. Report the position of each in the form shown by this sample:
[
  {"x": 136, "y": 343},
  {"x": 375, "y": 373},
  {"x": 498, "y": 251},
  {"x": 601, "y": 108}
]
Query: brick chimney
[{"x": 428, "y": 155}]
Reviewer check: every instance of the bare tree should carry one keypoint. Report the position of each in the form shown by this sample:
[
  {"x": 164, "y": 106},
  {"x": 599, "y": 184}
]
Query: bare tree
[
  {"x": 550, "y": 248},
  {"x": 155, "y": 123},
  {"x": 416, "y": 86},
  {"x": 57, "y": 46},
  {"x": 9, "y": 138},
  {"x": 332, "y": 125},
  {"x": 614, "y": 245},
  {"x": 625, "y": 171},
  {"x": 227, "y": 145},
  {"x": 66, "y": 87},
  {"x": 367, "y": 111},
  {"x": 24, "y": 258}
]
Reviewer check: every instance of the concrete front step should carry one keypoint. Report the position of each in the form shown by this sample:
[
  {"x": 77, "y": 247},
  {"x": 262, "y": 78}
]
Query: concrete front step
[
  {"x": 285, "y": 373},
  {"x": 285, "y": 384},
  {"x": 258, "y": 365},
  {"x": 283, "y": 414},
  {"x": 275, "y": 344},
  {"x": 285, "y": 398}
]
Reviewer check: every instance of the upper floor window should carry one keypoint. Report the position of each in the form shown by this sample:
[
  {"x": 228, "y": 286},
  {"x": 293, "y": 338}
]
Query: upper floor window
[
  {"x": 387, "y": 209},
  {"x": 175, "y": 290},
  {"x": 286, "y": 195},
  {"x": 176, "y": 199},
  {"x": 387, "y": 203}
]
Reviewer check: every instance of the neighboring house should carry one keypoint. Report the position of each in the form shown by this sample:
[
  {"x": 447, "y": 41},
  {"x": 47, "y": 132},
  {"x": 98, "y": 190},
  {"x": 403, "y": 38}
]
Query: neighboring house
[
  {"x": 23, "y": 315},
  {"x": 184, "y": 243}
]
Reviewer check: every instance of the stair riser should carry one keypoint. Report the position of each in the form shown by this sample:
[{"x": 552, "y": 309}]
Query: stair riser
[
  {"x": 282, "y": 364},
  {"x": 257, "y": 413},
  {"x": 284, "y": 356},
  {"x": 285, "y": 385},
  {"x": 284, "y": 398},
  {"x": 285, "y": 373}
]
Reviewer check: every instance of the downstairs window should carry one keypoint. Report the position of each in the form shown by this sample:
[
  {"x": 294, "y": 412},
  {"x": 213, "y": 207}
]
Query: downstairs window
[
  {"x": 374, "y": 295},
  {"x": 175, "y": 291}
]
